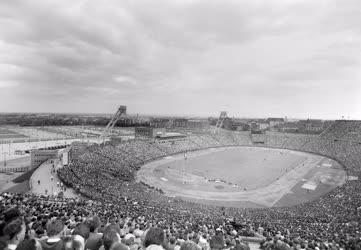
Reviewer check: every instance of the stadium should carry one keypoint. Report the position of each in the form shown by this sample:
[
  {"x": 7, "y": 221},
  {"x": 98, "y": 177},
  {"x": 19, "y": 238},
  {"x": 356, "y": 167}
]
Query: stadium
[
  {"x": 299, "y": 188},
  {"x": 333, "y": 171},
  {"x": 244, "y": 129}
]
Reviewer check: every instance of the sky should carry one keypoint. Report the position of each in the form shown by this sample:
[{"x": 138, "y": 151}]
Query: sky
[{"x": 250, "y": 58}]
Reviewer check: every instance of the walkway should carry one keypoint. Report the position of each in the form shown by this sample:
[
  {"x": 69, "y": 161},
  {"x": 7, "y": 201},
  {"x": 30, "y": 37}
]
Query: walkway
[{"x": 48, "y": 180}]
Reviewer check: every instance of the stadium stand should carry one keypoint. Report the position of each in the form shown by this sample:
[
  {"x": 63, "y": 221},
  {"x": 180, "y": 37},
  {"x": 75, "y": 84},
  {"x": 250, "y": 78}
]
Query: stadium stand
[
  {"x": 132, "y": 210},
  {"x": 344, "y": 130}
]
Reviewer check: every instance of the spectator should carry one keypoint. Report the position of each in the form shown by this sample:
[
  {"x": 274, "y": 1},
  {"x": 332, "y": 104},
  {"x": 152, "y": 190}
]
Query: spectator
[
  {"x": 14, "y": 233},
  {"x": 172, "y": 243},
  {"x": 217, "y": 242},
  {"x": 154, "y": 239},
  {"x": 110, "y": 237},
  {"x": 54, "y": 232},
  {"x": 83, "y": 230},
  {"x": 189, "y": 246},
  {"x": 119, "y": 246},
  {"x": 28, "y": 244},
  {"x": 78, "y": 242},
  {"x": 94, "y": 241}
]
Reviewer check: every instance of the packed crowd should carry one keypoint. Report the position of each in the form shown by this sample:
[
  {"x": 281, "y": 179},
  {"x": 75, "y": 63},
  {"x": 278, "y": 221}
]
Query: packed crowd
[
  {"x": 39, "y": 222},
  {"x": 344, "y": 130},
  {"x": 319, "y": 220},
  {"x": 106, "y": 176}
]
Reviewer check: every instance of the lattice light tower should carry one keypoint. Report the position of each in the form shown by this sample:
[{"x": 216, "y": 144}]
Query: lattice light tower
[
  {"x": 122, "y": 110},
  {"x": 219, "y": 124}
]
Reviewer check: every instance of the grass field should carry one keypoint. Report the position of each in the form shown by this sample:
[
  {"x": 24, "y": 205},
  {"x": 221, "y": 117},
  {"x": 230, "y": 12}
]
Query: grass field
[
  {"x": 249, "y": 168},
  {"x": 245, "y": 176}
]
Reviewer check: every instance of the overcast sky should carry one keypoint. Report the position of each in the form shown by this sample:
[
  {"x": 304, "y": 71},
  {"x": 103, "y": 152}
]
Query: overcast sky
[{"x": 251, "y": 58}]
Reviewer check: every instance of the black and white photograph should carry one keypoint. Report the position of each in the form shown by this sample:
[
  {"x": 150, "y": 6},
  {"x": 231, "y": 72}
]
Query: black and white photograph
[{"x": 180, "y": 124}]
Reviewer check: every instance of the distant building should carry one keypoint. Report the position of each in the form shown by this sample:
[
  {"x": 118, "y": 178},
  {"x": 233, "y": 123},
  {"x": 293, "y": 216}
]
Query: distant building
[
  {"x": 255, "y": 127},
  {"x": 289, "y": 127},
  {"x": 180, "y": 123},
  {"x": 148, "y": 132},
  {"x": 65, "y": 157},
  {"x": 170, "y": 137},
  {"x": 198, "y": 124},
  {"x": 116, "y": 140},
  {"x": 275, "y": 121},
  {"x": 39, "y": 156},
  {"x": 160, "y": 123},
  {"x": 241, "y": 126},
  {"x": 263, "y": 125}
]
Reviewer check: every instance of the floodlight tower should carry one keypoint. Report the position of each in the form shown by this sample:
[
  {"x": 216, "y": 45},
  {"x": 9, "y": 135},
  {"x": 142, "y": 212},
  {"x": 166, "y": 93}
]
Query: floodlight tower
[
  {"x": 122, "y": 110},
  {"x": 219, "y": 124}
]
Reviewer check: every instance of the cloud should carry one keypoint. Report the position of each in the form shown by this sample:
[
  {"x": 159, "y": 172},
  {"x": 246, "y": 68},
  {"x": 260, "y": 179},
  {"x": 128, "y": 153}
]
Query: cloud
[
  {"x": 125, "y": 80},
  {"x": 4, "y": 84},
  {"x": 182, "y": 56}
]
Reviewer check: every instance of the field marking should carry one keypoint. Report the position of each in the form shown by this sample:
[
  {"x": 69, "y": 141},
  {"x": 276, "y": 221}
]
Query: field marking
[
  {"x": 352, "y": 178},
  {"x": 309, "y": 186}
]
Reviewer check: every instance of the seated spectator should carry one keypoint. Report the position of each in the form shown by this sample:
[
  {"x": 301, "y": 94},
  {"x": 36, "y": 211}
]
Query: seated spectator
[
  {"x": 189, "y": 246},
  {"x": 11, "y": 213},
  {"x": 78, "y": 242},
  {"x": 138, "y": 234},
  {"x": 203, "y": 243},
  {"x": 68, "y": 242},
  {"x": 14, "y": 233},
  {"x": 54, "y": 231},
  {"x": 217, "y": 242},
  {"x": 94, "y": 240},
  {"x": 240, "y": 246},
  {"x": 172, "y": 243},
  {"x": 111, "y": 236},
  {"x": 129, "y": 241},
  {"x": 29, "y": 245},
  {"x": 119, "y": 246},
  {"x": 83, "y": 230},
  {"x": 154, "y": 239}
]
